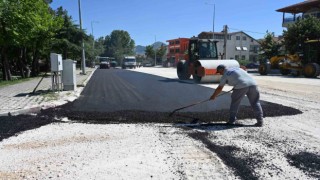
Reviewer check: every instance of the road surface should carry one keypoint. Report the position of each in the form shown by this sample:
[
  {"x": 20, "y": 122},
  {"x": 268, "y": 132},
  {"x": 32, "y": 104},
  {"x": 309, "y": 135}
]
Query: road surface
[
  {"x": 286, "y": 147},
  {"x": 115, "y": 89}
]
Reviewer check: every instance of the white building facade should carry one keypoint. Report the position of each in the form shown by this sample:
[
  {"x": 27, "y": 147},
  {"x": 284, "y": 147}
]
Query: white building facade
[{"x": 239, "y": 45}]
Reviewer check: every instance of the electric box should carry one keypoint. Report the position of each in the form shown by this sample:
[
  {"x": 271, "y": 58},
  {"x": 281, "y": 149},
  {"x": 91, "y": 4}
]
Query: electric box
[
  {"x": 56, "y": 62},
  {"x": 69, "y": 75}
]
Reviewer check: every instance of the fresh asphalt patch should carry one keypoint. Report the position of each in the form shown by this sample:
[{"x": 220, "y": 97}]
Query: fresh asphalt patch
[{"x": 138, "y": 116}]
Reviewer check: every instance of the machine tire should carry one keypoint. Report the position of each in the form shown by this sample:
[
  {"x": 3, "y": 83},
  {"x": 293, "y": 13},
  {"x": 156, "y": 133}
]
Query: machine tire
[
  {"x": 284, "y": 71},
  {"x": 311, "y": 70},
  {"x": 182, "y": 70},
  {"x": 264, "y": 68},
  {"x": 295, "y": 73}
]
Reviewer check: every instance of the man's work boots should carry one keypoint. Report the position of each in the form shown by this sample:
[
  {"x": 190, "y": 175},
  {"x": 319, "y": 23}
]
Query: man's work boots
[{"x": 259, "y": 124}]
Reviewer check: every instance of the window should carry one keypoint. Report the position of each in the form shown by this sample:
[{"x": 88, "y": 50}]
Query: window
[
  {"x": 238, "y": 48},
  {"x": 219, "y": 36},
  {"x": 171, "y": 50},
  {"x": 244, "y": 38},
  {"x": 177, "y": 50},
  {"x": 237, "y": 37},
  {"x": 177, "y": 42},
  {"x": 254, "y": 48},
  {"x": 236, "y": 57},
  {"x": 243, "y": 57}
]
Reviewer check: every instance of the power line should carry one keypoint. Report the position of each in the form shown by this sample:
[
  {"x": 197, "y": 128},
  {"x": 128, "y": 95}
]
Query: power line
[{"x": 247, "y": 31}]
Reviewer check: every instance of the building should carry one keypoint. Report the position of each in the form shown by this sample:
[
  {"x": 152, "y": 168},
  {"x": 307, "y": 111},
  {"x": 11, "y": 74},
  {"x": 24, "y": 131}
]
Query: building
[
  {"x": 177, "y": 48},
  {"x": 239, "y": 45},
  {"x": 301, "y": 10}
]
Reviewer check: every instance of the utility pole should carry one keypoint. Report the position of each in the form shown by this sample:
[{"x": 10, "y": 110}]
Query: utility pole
[
  {"x": 93, "y": 61},
  {"x": 225, "y": 30},
  {"x": 92, "y": 31},
  {"x": 92, "y": 34},
  {"x": 83, "y": 59},
  {"x": 214, "y": 13},
  {"x": 155, "y": 51}
]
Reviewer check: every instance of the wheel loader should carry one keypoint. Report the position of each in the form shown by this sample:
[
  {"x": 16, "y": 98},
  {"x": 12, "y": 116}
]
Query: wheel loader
[
  {"x": 201, "y": 61},
  {"x": 305, "y": 63}
]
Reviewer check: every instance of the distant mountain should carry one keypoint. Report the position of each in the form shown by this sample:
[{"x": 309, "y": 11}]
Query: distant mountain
[
  {"x": 141, "y": 49},
  {"x": 158, "y": 44}
]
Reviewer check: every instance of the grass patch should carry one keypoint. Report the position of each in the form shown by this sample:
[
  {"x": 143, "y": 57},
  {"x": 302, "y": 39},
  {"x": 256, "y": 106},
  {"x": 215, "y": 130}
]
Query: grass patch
[
  {"x": 14, "y": 81},
  {"x": 50, "y": 96}
]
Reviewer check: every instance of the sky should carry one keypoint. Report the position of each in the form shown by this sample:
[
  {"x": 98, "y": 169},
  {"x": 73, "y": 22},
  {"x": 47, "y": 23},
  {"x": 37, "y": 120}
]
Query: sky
[{"x": 148, "y": 21}]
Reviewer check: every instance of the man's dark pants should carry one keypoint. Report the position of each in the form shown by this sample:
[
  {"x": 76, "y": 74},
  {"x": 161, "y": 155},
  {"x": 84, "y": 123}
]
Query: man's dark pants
[{"x": 253, "y": 95}]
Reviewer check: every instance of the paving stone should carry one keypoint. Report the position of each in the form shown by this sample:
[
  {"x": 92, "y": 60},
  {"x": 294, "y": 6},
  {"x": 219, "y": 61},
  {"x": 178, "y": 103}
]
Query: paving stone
[{"x": 17, "y": 97}]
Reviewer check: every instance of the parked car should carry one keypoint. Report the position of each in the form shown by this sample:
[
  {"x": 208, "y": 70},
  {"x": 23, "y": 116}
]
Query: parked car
[
  {"x": 113, "y": 64},
  {"x": 104, "y": 64},
  {"x": 252, "y": 65},
  {"x": 147, "y": 64}
]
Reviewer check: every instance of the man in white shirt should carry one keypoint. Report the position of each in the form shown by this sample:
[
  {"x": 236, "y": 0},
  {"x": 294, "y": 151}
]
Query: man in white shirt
[{"x": 243, "y": 84}]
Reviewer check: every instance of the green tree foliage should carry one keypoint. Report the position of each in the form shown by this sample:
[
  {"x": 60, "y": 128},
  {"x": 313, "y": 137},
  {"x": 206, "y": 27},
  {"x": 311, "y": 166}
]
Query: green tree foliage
[
  {"x": 161, "y": 51},
  {"x": 119, "y": 44},
  {"x": 25, "y": 27},
  {"x": 270, "y": 46},
  {"x": 68, "y": 39},
  {"x": 99, "y": 46},
  {"x": 299, "y": 32},
  {"x": 149, "y": 52}
]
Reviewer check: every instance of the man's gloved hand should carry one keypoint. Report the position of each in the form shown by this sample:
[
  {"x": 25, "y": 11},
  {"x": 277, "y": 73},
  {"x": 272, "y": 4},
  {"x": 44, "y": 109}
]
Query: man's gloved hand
[{"x": 212, "y": 97}]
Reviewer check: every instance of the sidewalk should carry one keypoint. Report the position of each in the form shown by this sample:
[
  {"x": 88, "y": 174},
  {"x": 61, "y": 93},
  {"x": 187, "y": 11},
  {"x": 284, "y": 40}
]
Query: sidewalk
[{"x": 18, "y": 98}]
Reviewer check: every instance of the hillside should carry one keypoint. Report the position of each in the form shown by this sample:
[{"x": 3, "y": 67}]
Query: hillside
[{"x": 141, "y": 49}]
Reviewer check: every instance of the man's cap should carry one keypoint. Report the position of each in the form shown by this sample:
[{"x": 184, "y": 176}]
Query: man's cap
[{"x": 221, "y": 67}]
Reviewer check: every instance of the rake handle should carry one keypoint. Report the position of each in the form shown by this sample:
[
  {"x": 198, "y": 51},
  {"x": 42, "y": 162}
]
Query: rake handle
[{"x": 196, "y": 103}]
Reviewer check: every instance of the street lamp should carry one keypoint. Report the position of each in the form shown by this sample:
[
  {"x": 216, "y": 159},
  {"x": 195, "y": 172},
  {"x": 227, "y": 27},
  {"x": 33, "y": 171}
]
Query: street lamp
[
  {"x": 92, "y": 32},
  {"x": 155, "y": 51},
  {"x": 83, "y": 59},
  {"x": 93, "y": 60},
  {"x": 214, "y": 11}
]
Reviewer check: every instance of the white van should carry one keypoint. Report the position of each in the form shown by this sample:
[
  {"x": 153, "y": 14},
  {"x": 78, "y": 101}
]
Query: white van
[{"x": 129, "y": 62}]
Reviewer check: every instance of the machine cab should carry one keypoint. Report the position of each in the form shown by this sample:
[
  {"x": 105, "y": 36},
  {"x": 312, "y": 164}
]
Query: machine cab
[{"x": 202, "y": 49}]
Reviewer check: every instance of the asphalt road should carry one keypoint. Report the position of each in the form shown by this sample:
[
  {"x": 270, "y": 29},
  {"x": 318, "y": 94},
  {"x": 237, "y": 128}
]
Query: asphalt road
[{"x": 115, "y": 89}]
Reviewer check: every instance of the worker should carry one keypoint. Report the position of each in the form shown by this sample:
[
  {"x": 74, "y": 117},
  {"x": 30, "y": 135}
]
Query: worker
[{"x": 243, "y": 84}]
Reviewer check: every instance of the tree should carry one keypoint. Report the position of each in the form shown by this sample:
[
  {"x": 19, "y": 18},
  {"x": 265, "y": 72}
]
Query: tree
[
  {"x": 119, "y": 44},
  {"x": 25, "y": 25},
  {"x": 269, "y": 46},
  {"x": 67, "y": 40},
  {"x": 149, "y": 52},
  {"x": 161, "y": 51},
  {"x": 299, "y": 32},
  {"x": 46, "y": 25}
]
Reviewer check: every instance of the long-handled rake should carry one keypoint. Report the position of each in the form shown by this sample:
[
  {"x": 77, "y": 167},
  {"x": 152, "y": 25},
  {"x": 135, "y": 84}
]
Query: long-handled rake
[{"x": 195, "y": 103}]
